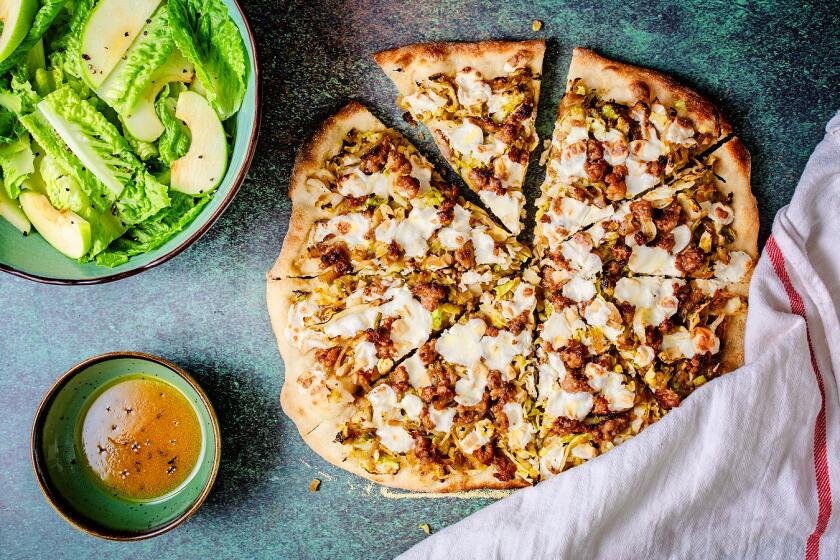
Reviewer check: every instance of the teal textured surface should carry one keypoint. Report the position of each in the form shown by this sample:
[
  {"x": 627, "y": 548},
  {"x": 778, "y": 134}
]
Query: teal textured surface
[{"x": 773, "y": 67}]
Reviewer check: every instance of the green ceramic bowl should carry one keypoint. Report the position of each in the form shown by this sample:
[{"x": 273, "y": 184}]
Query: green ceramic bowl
[
  {"x": 64, "y": 476},
  {"x": 33, "y": 258}
]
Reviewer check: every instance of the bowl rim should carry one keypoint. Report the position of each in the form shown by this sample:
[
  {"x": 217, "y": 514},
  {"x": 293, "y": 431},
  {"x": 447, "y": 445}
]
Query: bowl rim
[
  {"x": 61, "y": 506},
  {"x": 237, "y": 183}
]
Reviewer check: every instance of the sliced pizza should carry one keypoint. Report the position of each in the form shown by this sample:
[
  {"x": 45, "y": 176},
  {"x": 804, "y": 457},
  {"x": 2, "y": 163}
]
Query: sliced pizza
[
  {"x": 479, "y": 100},
  {"x": 621, "y": 130},
  {"x": 457, "y": 414},
  {"x": 338, "y": 338},
  {"x": 364, "y": 199}
]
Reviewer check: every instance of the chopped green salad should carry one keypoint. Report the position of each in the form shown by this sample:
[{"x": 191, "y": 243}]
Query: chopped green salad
[{"x": 113, "y": 118}]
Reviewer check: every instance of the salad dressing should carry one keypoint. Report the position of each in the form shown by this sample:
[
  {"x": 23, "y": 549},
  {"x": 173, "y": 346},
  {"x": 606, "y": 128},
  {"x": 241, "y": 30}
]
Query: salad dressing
[{"x": 141, "y": 438}]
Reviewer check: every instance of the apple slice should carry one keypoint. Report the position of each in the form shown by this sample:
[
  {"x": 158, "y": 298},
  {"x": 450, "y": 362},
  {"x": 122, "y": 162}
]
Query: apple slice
[
  {"x": 142, "y": 122},
  {"x": 10, "y": 210},
  {"x": 16, "y": 16},
  {"x": 63, "y": 229},
  {"x": 202, "y": 168},
  {"x": 109, "y": 31}
]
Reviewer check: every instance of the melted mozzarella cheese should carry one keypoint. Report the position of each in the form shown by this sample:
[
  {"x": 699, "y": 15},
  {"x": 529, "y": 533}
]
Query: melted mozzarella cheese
[
  {"x": 653, "y": 299},
  {"x": 604, "y": 315},
  {"x": 520, "y": 431},
  {"x": 471, "y": 279},
  {"x": 579, "y": 289},
  {"x": 485, "y": 249},
  {"x": 616, "y": 148},
  {"x": 510, "y": 173},
  {"x": 365, "y": 355},
  {"x": 680, "y": 132},
  {"x": 736, "y": 270},
  {"x": 418, "y": 375},
  {"x": 583, "y": 451},
  {"x": 424, "y": 101},
  {"x": 685, "y": 344},
  {"x": 350, "y": 228},
  {"x": 508, "y": 207},
  {"x": 561, "y": 326},
  {"x": 721, "y": 214},
  {"x": 352, "y": 321},
  {"x": 413, "y": 324},
  {"x": 682, "y": 237},
  {"x": 611, "y": 385},
  {"x": 572, "y": 162},
  {"x": 456, "y": 234},
  {"x": 412, "y": 233},
  {"x": 465, "y": 138},
  {"x": 469, "y": 390},
  {"x": 461, "y": 343},
  {"x": 479, "y": 436},
  {"x": 412, "y": 405},
  {"x": 472, "y": 89},
  {"x": 638, "y": 179},
  {"x": 386, "y": 414},
  {"x": 499, "y": 351},
  {"x": 644, "y": 356},
  {"x": 653, "y": 260},
  {"x": 552, "y": 459},
  {"x": 578, "y": 252},
  {"x": 442, "y": 419},
  {"x": 574, "y": 406},
  {"x": 575, "y": 135},
  {"x": 569, "y": 216},
  {"x": 358, "y": 184},
  {"x": 524, "y": 299}
]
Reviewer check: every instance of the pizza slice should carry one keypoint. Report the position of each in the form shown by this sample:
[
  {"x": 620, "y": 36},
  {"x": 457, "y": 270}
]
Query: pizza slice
[
  {"x": 338, "y": 338},
  {"x": 702, "y": 225},
  {"x": 479, "y": 100},
  {"x": 621, "y": 130},
  {"x": 364, "y": 199},
  {"x": 457, "y": 414}
]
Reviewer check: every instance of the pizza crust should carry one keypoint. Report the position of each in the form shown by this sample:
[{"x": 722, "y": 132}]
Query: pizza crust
[
  {"x": 306, "y": 408},
  {"x": 412, "y": 63},
  {"x": 627, "y": 84},
  {"x": 732, "y": 342},
  {"x": 324, "y": 143},
  {"x": 733, "y": 170}
]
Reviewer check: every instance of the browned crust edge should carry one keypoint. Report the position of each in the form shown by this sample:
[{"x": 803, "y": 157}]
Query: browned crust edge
[
  {"x": 627, "y": 83},
  {"x": 411, "y": 63},
  {"x": 734, "y": 167}
]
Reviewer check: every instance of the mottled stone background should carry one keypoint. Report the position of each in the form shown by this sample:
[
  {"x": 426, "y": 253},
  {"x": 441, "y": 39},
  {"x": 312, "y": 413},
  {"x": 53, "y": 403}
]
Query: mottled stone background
[{"x": 772, "y": 66}]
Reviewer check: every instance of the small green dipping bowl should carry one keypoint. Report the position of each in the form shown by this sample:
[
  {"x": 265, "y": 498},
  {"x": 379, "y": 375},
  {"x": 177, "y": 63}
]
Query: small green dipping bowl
[
  {"x": 33, "y": 258},
  {"x": 60, "y": 465}
]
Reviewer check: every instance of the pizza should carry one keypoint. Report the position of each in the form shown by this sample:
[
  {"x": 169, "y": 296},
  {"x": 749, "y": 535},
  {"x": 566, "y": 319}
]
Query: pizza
[
  {"x": 479, "y": 101},
  {"x": 427, "y": 348}
]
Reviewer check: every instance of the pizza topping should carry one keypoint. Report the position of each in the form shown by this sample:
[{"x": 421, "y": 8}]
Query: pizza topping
[
  {"x": 612, "y": 385},
  {"x": 685, "y": 344},
  {"x": 736, "y": 269},
  {"x": 486, "y": 251},
  {"x": 365, "y": 355},
  {"x": 472, "y": 89},
  {"x": 413, "y": 232},
  {"x": 387, "y": 418},
  {"x": 478, "y": 437},
  {"x": 561, "y": 326},
  {"x": 425, "y": 102},
  {"x": 461, "y": 344},
  {"x": 442, "y": 419},
  {"x": 350, "y": 228},
  {"x": 500, "y": 350},
  {"x": 507, "y": 206},
  {"x": 520, "y": 432},
  {"x": 653, "y": 298}
]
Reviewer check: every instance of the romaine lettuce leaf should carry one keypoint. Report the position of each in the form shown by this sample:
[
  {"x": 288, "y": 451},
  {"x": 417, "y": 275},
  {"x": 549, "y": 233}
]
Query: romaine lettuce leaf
[
  {"x": 65, "y": 47},
  {"x": 16, "y": 158},
  {"x": 208, "y": 37},
  {"x": 64, "y": 191},
  {"x": 85, "y": 143},
  {"x": 154, "y": 232},
  {"x": 175, "y": 140},
  {"x": 48, "y": 11},
  {"x": 131, "y": 76}
]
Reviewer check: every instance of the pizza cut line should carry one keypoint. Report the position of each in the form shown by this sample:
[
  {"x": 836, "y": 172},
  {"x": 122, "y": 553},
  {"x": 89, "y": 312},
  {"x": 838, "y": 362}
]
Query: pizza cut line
[{"x": 426, "y": 348}]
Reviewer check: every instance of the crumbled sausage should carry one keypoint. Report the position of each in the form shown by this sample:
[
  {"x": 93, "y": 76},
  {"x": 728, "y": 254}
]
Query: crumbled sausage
[
  {"x": 407, "y": 186},
  {"x": 381, "y": 337},
  {"x": 616, "y": 187},
  {"x": 518, "y": 323},
  {"x": 642, "y": 210},
  {"x": 465, "y": 255},
  {"x": 521, "y": 113},
  {"x": 500, "y": 390},
  {"x": 574, "y": 354},
  {"x": 484, "y": 180},
  {"x": 518, "y": 156},
  {"x": 427, "y": 352},
  {"x": 425, "y": 450},
  {"x": 575, "y": 383},
  {"x": 399, "y": 381},
  {"x": 375, "y": 159},
  {"x": 565, "y": 426},
  {"x": 669, "y": 218},
  {"x": 613, "y": 426},
  {"x": 600, "y": 406},
  {"x": 484, "y": 454},
  {"x": 666, "y": 241},
  {"x": 328, "y": 356},
  {"x": 397, "y": 163},
  {"x": 505, "y": 468},
  {"x": 336, "y": 257},
  {"x": 621, "y": 253},
  {"x": 690, "y": 259},
  {"x": 595, "y": 169},
  {"x": 507, "y": 133},
  {"x": 430, "y": 294},
  {"x": 446, "y": 211},
  {"x": 394, "y": 252},
  {"x": 667, "y": 398}
]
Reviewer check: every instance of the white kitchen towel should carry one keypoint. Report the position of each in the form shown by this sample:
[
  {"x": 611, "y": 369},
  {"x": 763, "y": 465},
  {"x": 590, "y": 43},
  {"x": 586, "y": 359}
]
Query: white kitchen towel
[{"x": 746, "y": 467}]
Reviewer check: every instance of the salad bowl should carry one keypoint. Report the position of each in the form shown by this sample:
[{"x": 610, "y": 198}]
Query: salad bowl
[{"x": 31, "y": 257}]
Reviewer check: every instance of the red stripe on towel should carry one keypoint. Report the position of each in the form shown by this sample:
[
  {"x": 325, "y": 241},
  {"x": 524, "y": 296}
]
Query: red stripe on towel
[{"x": 812, "y": 546}]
